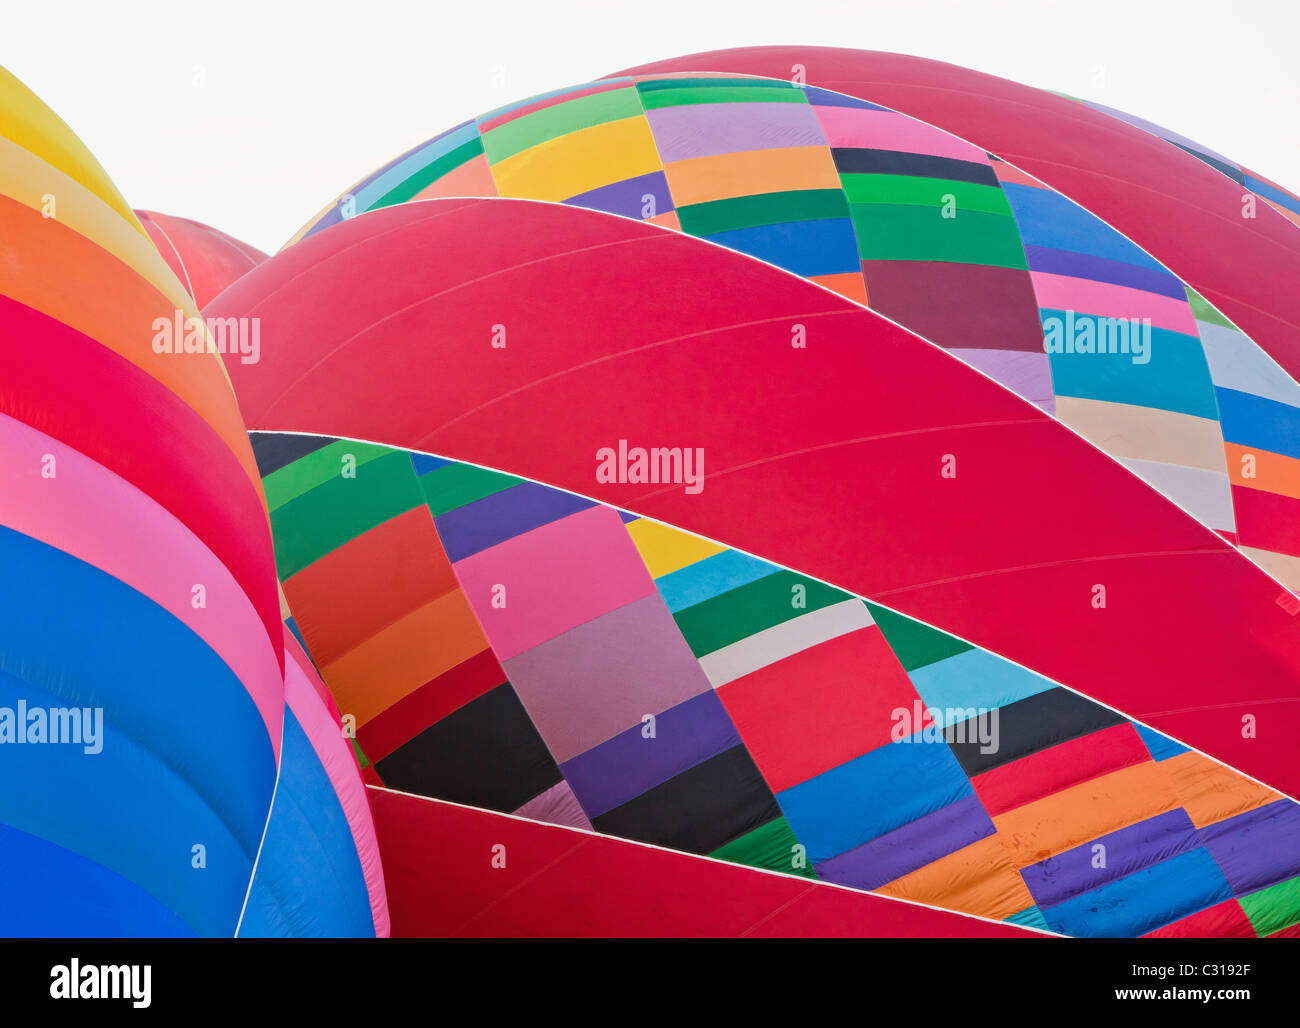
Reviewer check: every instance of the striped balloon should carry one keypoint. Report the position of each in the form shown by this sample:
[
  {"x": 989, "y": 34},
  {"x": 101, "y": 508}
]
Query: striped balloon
[
  {"x": 143, "y": 719},
  {"x": 792, "y": 666},
  {"x": 931, "y": 231}
]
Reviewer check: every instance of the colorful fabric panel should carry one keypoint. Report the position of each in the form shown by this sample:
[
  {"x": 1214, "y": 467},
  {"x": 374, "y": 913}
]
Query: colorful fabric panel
[{"x": 657, "y": 686}]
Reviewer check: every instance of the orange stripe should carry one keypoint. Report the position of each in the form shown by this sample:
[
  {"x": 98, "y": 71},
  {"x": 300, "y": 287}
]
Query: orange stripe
[
  {"x": 668, "y": 219},
  {"x": 849, "y": 284},
  {"x": 112, "y": 304},
  {"x": 404, "y": 656},
  {"x": 1273, "y": 473},
  {"x": 30, "y": 181},
  {"x": 369, "y": 582},
  {"x": 1210, "y": 792},
  {"x": 720, "y": 177},
  {"x": 1082, "y": 812},
  {"x": 977, "y": 879},
  {"x": 473, "y": 178}
]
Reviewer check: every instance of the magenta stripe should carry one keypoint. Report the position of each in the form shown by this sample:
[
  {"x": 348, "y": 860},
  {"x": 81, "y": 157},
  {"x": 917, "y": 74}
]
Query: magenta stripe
[
  {"x": 97, "y": 517},
  {"x": 887, "y": 130},
  {"x": 548, "y": 579}
]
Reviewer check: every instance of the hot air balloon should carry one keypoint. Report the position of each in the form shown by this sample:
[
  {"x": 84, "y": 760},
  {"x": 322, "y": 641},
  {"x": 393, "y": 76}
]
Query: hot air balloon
[
  {"x": 318, "y": 869},
  {"x": 601, "y": 524},
  {"x": 841, "y": 492},
  {"x": 142, "y": 660},
  {"x": 927, "y": 228},
  {"x": 205, "y": 259}
]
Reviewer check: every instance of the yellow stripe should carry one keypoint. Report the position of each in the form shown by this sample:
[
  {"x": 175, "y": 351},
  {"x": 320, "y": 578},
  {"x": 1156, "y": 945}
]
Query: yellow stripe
[
  {"x": 39, "y": 156},
  {"x": 26, "y": 120},
  {"x": 665, "y": 550},
  {"x": 579, "y": 161},
  {"x": 27, "y": 179}
]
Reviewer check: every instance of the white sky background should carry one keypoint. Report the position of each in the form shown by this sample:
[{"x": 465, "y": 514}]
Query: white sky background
[{"x": 300, "y": 100}]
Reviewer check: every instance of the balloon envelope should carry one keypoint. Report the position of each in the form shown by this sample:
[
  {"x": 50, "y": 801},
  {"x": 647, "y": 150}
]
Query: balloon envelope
[{"x": 776, "y": 648}]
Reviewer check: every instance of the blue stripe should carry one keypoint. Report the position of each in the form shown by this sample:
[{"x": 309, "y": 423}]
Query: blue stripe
[
  {"x": 309, "y": 880},
  {"x": 55, "y": 893},
  {"x": 1144, "y": 900},
  {"x": 1030, "y": 917},
  {"x": 870, "y": 795},
  {"x": 1274, "y": 194},
  {"x": 186, "y": 759},
  {"x": 825, "y": 247},
  {"x": 1109, "y": 857},
  {"x": 974, "y": 678},
  {"x": 129, "y": 812},
  {"x": 711, "y": 577},
  {"x": 1048, "y": 219},
  {"x": 1103, "y": 269},
  {"x": 1175, "y": 378},
  {"x": 411, "y": 162},
  {"x": 1250, "y": 420},
  {"x": 335, "y": 214},
  {"x": 1161, "y": 747},
  {"x": 293, "y": 627},
  {"x": 825, "y": 98},
  {"x": 423, "y": 463}
]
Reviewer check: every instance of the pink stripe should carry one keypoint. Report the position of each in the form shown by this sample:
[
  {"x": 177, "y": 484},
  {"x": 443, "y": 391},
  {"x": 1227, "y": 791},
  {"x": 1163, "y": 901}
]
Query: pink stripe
[
  {"x": 550, "y": 586},
  {"x": 887, "y": 130},
  {"x": 557, "y": 806},
  {"x": 95, "y": 516},
  {"x": 324, "y": 730},
  {"x": 1084, "y": 296}
]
